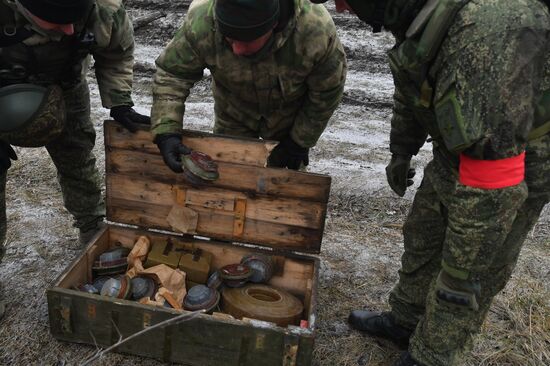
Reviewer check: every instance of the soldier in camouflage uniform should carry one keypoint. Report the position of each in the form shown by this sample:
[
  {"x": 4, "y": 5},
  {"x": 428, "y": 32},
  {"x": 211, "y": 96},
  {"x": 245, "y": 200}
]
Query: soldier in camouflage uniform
[
  {"x": 47, "y": 43},
  {"x": 474, "y": 75},
  {"x": 278, "y": 72}
]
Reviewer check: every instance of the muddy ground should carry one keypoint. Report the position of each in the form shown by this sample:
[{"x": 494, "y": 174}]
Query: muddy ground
[{"x": 361, "y": 247}]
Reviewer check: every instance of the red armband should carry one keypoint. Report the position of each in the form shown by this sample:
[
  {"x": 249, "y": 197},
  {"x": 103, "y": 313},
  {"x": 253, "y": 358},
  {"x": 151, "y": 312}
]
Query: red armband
[{"x": 492, "y": 174}]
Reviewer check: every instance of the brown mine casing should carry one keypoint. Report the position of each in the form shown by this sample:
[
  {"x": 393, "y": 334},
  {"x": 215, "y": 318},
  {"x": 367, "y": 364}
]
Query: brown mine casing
[
  {"x": 250, "y": 209},
  {"x": 196, "y": 266},
  {"x": 163, "y": 253},
  {"x": 194, "y": 262}
]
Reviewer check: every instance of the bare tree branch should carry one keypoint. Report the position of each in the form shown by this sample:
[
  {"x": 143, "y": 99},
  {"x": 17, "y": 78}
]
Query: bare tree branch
[{"x": 147, "y": 19}]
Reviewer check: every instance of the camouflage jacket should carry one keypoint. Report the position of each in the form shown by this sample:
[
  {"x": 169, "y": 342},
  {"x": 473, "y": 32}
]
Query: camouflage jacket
[
  {"x": 64, "y": 61},
  {"x": 297, "y": 86},
  {"x": 489, "y": 102},
  {"x": 487, "y": 78}
]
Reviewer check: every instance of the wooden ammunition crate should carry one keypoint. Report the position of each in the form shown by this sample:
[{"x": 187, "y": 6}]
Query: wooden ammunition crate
[{"x": 250, "y": 209}]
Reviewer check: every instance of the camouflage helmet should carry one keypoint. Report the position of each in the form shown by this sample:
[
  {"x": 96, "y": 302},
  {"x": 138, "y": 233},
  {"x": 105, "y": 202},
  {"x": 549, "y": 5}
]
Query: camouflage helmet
[{"x": 32, "y": 115}]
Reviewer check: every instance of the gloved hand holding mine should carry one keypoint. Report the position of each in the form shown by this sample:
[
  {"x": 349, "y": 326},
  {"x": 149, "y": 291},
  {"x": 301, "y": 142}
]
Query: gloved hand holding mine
[
  {"x": 129, "y": 118},
  {"x": 171, "y": 149}
]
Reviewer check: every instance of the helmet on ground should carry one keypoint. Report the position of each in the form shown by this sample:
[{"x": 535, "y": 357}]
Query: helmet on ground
[{"x": 32, "y": 115}]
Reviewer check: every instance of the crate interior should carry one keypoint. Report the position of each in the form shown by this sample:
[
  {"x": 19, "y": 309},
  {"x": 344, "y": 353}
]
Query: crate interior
[{"x": 295, "y": 274}]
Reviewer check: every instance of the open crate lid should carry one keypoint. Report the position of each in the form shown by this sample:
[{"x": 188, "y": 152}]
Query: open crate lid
[{"x": 278, "y": 208}]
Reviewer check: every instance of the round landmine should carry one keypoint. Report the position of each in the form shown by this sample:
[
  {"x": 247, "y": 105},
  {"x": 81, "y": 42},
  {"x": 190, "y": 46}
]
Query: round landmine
[
  {"x": 111, "y": 262},
  {"x": 142, "y": 287},
  {"x": 261, "y": 265},
  {"x": 118, "y": 287},
  {"x": 215, "y": 281},
  {"x": 100, "y": 281},
  {"x": 91, "y": 289},
  {"x": 235, "y": 275},
  {"x": 263, "y": 303},
  {"x": 201, "y": 297},
  {"x": 199, "y": 168}
]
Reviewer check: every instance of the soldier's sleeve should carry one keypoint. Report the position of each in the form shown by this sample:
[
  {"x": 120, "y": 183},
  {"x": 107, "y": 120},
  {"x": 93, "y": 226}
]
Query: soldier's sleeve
[
  {"x": 179, "y": 67},
  {"x": 486, "y": 114},
  {"x": 114, "y": 57},
  {"x": 325, "y": 90},
  {"x": 406, "y": 136}
]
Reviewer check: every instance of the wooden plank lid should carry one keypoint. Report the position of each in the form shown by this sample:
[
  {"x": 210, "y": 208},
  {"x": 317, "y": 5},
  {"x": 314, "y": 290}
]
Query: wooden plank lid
[{"x": 249, "y": 203}]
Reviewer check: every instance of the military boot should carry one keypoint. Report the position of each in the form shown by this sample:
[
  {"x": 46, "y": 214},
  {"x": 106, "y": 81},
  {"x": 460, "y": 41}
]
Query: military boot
[
  {"x": 380, "y": 324},
  {"x": 86, "y": 233},
  {"x": 406, "y": 360}
]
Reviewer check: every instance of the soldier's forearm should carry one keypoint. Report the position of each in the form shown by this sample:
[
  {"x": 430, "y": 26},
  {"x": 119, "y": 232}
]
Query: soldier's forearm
[
  {"x": 313, "y": 118},
  {"x": 114, "y": 73},
  {"x": 407, "y": 136},
  {"x": 169, "y": 95}
]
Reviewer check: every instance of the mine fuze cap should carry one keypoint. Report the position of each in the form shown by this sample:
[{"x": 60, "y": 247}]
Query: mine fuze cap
[
  {"x": 58, "y": 11},
  {"x": 246, "y": 20}
]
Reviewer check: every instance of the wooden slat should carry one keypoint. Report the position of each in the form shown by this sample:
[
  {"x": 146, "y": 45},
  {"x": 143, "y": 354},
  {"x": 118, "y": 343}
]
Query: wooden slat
[
  {"x": 246, "y": 179},
  {"x": 218, "y": 225},
  {"x": 222, "y": 148},
  {"x": 292, "y": 212}
]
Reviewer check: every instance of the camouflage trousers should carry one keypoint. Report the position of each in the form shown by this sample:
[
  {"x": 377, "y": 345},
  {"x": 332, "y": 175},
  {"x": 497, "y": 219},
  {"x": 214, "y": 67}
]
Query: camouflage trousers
[
  {"x": 77, "y": 173},
  {"x": 442, "y": 333}
]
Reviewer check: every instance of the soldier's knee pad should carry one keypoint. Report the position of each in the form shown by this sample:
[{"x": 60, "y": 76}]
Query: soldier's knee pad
[{"x": 456, "y": 293}]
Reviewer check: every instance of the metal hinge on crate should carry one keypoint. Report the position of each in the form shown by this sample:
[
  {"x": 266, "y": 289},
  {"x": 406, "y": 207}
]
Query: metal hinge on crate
[{"x": 183, "y": 218}]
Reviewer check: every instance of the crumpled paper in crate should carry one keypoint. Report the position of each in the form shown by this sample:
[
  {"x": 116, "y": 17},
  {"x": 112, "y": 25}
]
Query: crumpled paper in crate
[{"x": 171, "y": 281}]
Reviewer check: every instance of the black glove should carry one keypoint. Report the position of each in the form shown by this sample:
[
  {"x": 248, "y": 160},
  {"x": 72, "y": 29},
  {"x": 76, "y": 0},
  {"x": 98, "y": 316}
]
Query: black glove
[
  {"x": 129, "y": 118},
  {"x": 399, "y": 173},
  {"x": 171, "y": 148},
  {"x": 288, "y": 154},
  {"x": 6, "y": 155}
]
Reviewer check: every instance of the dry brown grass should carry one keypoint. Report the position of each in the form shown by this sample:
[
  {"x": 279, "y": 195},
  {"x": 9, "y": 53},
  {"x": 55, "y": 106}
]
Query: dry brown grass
[{"x": 518, "y": 328}]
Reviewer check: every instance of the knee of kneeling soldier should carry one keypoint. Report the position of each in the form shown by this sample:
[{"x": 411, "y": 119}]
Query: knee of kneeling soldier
[{"x": 456, "y": 293}]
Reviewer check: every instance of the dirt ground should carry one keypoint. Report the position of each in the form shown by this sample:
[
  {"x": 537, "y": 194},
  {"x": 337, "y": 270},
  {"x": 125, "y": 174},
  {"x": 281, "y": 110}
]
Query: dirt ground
[{"x": 362, "y": 244}]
